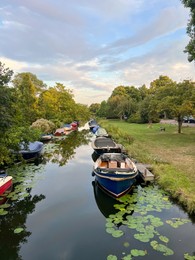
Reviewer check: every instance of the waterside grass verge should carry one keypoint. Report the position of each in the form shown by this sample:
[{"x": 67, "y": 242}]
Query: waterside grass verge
[{"x": 171, "y": 155}]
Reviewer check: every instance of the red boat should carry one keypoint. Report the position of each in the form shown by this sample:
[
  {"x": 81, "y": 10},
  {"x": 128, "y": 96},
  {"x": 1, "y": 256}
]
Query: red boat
[{"x": 5, "y": 183}]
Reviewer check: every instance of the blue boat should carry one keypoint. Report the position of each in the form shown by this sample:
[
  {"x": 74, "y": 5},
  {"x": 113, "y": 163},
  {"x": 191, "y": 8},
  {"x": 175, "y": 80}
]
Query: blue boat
[
  {"x": 32, "y": 150},
  {"x": 93, "y": 125},
  {"x": 94, "y": 128},
  {"x": 115, "y": 173}
]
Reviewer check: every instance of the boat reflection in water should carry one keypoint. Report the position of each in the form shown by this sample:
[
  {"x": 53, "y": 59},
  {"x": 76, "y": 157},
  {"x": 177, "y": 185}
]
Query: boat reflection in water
[
  {"x": 107, "y": 204},
  {"x": 104, "y": 202}
]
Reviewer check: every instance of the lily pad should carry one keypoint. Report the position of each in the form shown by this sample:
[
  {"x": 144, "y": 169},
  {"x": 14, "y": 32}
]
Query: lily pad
[
  {"x": 111, "y": 257},
  {"x": 18, "y": 230},
  {"x": 117, "y": 233},
  {"x": 188, "y": 257},
  {"x": 136, "y": 252},
  {"x": 3, "y": 212},
  {"x": 127, "y": 257},
  {"x": 126, "y": 244},
  {"x": 161, "y": 248}
]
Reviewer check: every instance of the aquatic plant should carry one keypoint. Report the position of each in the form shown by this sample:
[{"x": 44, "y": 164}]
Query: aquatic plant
[{"x": 135, "y": 212}]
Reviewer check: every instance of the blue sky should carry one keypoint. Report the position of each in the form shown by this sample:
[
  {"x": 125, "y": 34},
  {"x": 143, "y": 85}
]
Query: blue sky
[{"x": 94, "y": 46}]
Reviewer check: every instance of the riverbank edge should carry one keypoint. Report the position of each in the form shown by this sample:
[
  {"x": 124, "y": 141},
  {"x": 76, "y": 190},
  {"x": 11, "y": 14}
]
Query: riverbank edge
[{"x": 179, "y": 187}]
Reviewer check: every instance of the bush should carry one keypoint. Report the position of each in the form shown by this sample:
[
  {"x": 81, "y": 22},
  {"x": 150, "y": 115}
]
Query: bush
[{"x": 44, "y": 125}]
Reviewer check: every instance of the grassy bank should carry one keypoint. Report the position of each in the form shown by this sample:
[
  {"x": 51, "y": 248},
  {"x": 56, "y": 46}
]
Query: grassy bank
[{"x": 171, "y": 155}]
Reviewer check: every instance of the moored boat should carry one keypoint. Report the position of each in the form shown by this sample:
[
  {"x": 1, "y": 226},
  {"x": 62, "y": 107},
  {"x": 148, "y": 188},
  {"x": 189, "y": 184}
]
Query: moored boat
[
  {"x": 116, "y": 173},
  {"x": 105, "y": 144},
  {"x": 5, "y": 183},
  {"x": 60, "y": 132},
  {"x": 93, "y": 124},
  {"x": 101, "y": 132},
  {"x": 32, "y": 150},
  {"x": 46, "y": 137}
]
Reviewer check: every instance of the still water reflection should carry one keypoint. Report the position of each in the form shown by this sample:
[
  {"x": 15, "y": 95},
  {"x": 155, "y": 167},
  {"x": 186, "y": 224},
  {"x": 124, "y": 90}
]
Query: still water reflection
[{"x": 65, "y": 215}]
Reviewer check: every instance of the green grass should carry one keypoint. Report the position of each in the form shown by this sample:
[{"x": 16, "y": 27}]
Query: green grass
[{"x": 171, "y": 155}]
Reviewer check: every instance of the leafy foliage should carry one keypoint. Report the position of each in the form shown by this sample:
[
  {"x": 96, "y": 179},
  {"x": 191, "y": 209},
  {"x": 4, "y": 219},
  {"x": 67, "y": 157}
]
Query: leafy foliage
[{"x": 190, "y": 48}]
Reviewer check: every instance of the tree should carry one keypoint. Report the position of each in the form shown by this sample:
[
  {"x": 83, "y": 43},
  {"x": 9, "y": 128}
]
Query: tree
[
  {"x": 5, "y": 74},
  {"x": 178, "y": 100},
  {"x": 93, "y": 108},
  {"x": 6, "y": 98},
  {"x": 57, "y": 104},
  {"x": 116, "y": 106},
  {"x": 102, "y": 112},
  {"x": 28, "y": 89},
  {"x": 190, "y": 48}
]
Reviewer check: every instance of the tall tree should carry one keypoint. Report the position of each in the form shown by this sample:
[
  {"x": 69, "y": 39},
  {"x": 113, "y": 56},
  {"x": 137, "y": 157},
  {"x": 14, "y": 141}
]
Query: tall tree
[
  {"x": 178, "y": 100},
  {"x": 5, "y": 74},
  {"x": 6, "y": 98},
  {"x": 93, "y": 108},
  {"x": 57, "y": 103},
  {"x": 102, "y": 112},
  {"x": 28, "y": 87},
  {"x": 190, "y": 48}
]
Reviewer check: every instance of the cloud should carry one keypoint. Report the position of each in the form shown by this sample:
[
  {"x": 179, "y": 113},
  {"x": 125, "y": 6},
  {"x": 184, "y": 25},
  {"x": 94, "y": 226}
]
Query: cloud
[
  {"x": 94, "y": 46},
  {"x": 169, "y": 20},
  {"x": 169, "y": 60}
]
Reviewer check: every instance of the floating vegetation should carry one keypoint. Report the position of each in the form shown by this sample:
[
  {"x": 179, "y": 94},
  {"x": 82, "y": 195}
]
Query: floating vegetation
[
  {"x": 161, "y": 248},
  {"x": 127, "y": 257},
  {"x": 176, "y": 222},
  {"x": 136, "y": 252},
  {"x": 135, "y": 213},
  {"x": 111, "y": 257},
  {"x": 189, "y": 257},
  {"x": 24, "y": 178},
  {"x": 3, "y": 212},
  {"x": 18, "y": 230},
  {"x": 126, "y": 244}
]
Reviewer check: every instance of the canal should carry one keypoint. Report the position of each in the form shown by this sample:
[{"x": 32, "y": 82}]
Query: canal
[{"x": 56, "y": 211}]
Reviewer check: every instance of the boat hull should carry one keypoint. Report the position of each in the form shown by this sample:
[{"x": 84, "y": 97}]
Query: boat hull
[
  {"x": 116, "y": 186},
  {"x": 5, "y": 184},
  {"x": 34, "y": 151}
]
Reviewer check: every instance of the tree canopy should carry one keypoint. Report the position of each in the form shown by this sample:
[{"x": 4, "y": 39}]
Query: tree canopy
[{"x": 190, "y": 48}]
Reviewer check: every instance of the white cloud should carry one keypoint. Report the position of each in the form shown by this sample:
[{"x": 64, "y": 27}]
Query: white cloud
[{"x": 94, "y": 46}]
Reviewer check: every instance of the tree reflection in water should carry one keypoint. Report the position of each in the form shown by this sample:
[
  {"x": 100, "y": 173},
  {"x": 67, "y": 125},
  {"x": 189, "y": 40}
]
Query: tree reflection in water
[
  {"x": 18, "y": 213},
  {"x": 63, "y": 149}
]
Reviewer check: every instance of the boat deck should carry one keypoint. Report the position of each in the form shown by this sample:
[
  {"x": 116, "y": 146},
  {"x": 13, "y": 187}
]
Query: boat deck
[
  {"x": 104, "y": 142},
  {"x": 113, "y": 165}
]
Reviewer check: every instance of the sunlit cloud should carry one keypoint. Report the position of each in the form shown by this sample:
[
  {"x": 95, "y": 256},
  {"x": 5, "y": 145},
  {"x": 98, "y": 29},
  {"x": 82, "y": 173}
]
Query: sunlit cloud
[{"x": 94, "y": 46}]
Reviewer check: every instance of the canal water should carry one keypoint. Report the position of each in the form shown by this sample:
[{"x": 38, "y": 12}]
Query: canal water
[{"x": 57, "y": 211}]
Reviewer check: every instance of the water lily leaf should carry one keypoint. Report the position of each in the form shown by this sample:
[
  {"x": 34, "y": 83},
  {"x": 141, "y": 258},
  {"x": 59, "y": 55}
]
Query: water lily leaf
[
  {"x": 110, "y": 230},
  {"x": 161, "y": 248},
  {"x": 142, "y": 237},
  {"x": 18, "y": 230},
  {"x": 111, "y": 257},
  {"x": 119, "y": 206},
  {"x": 164, "y": 239},
  {"x": 127, "y": 257},
  {"x": 117, "y": 233},
  {"x": 3, "y": 212},
  {"x": 126, "y": 244},
  {"x": 188, "y": 257},
  {"x": 5, "y": 206},
  {"x": 136, "y": 252},
  {"x": 109, "y": 225},
  {"x": 176, "y": 222}
]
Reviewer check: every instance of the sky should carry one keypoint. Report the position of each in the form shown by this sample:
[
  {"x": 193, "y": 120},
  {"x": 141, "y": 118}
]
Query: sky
[{"x": 93, "y": 46}]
